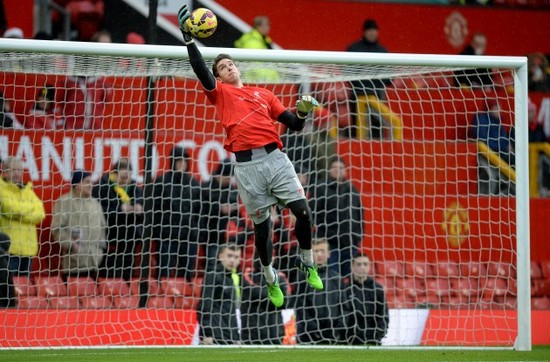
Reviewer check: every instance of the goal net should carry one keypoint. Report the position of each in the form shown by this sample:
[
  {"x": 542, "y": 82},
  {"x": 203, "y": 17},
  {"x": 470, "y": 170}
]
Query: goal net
[{"x": 404, "y": 162}]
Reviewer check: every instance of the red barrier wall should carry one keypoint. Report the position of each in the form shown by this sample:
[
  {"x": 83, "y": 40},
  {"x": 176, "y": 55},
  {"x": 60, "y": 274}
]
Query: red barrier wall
[{"x": 89, "y": 327}]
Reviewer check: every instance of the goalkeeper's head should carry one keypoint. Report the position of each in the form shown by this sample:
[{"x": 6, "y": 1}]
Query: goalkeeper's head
[{"x": 217, "y": 60}]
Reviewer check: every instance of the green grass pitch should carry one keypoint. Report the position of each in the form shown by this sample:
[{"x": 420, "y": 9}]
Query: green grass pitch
[{"x": 165, "y": 354}]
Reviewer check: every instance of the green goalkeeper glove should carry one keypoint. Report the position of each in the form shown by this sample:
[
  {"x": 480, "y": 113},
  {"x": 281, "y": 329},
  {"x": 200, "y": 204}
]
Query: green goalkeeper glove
[
  {"x": 305, "y": 104},
  {"x": 183, "y": 15}
]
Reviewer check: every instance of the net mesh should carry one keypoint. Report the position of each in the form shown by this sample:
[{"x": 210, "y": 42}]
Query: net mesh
[{"x": 425, "y": 196}]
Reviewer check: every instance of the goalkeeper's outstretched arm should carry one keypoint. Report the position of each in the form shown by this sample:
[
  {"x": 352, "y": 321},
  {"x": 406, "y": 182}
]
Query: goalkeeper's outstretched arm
[{"x": 204, "y": 75}]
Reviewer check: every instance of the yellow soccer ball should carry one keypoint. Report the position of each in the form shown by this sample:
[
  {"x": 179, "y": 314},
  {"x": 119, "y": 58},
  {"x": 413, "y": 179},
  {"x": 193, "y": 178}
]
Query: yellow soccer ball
[{"x": 202, "y": 23}]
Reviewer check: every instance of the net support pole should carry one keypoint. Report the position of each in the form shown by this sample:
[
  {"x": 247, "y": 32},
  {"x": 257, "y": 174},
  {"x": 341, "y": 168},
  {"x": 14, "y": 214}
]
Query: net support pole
[
  {"x": 523, "y": 340},
  {"x": 149, "y": 154}
]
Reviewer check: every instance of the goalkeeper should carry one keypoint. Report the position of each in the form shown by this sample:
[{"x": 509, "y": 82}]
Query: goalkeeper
[{"x": 265, "y": 176}]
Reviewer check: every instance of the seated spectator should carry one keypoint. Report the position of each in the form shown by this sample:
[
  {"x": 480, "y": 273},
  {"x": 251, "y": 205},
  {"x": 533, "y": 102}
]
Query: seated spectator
[
  {"x": 319, "y": 315},
  {"x": 538, "y": 78},
  {"x": 43, "y": 114},
  {"x": 176, "y": 210},
  {"x": 262, "y": 323},
  {"x": 81, "y": 100},
  {"x": 221, "y": 296},
  {"x": 365, "y": 309},
  {"x": 7, "y": 293},
  {"x": 479, "y": 77},
  {"x": 122, "y": 202},
  {"x": 21, "y": 211},
  {"x": 487, "y": 127},
  {"x": 79, "y": 226}
]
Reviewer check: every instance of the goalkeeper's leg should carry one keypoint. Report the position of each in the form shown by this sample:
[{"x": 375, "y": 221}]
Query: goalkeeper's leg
[
  {"x": 264, "y": 246},
  {"x": 301, "y": 211}
]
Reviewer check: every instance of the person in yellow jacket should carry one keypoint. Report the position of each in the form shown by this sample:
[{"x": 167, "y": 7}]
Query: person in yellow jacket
[
  {"x": 21, "y": 210},
  {"x": 258, "y": 38}
]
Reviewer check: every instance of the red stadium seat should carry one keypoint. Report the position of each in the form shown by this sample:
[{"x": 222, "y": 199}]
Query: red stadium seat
[
  {"x": 32, "y": 302},
  {"x": 64, "y": 302},
  {"x": 178, "y": 287},
  {"x": 160, "y": 302},
  {"x": 540, "y": 303},
  {"x": 411, "y": 287},
  {"x": 493, "y": 287},
  {"x": 447, "y": 269},
  {"x": 466, "y": 288},
  {"x": 439, "y": 287},
  {"x": 95, "y": 302},
  {"x": 23, "y": 287},
  {"x": 536, "y": 270},
  {"x": 152, "y": 285},
  {"x": 473, "y": 269},
  {"x": 500, "y": 269},
  {"x": 418, "y": 269},
  {"x": 49, "y": 287},
  {"x": 113, "y": 287},
  {"x": 125, "y": 301},
  {"x": 545, "y": 267},
  {"x": 391, "y": 268},
  {"x": 81, "y": 286},
  {"x": 540, "y": 288}
]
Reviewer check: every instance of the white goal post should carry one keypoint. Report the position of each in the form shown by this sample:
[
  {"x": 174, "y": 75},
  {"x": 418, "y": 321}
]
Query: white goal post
[{"x": 431, "y": 196}]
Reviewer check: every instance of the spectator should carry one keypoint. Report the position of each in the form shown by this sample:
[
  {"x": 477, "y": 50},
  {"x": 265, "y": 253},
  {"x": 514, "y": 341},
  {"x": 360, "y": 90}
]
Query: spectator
[
  {"x": 262, "y": 323},
  {"x": 217, "y": 311},
  {"x": 258, "y": 38},
  {"x": 102, "y": 36},
  {"x": 338, "y": 214},
  {"x": 479, "y": 77},
  {"x": 365, "y": 308},
  {"x": 538, "y": 77},
  {"x": 82, "y": 101},
  {"x": 7, "y": 292},
  {"x": 220, "y": 210},
  {"x": 487, "y": 127},
  {"x": 14, "y": 33},
  {"x": 7, "y": 118},
  {"x": 79, "y": 226},
  {"x": 43, "y": 114},
  {"x": 122, "y": 202},
  {"x": 20, "y": 212},
  {"x": 368, "y": 87},
  {"x": 176, "y": 210},
  {"x": 319, "y": 315}
]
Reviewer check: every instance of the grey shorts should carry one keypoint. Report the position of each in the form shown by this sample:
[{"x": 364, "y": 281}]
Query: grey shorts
[{"x": 266, "y": 181}]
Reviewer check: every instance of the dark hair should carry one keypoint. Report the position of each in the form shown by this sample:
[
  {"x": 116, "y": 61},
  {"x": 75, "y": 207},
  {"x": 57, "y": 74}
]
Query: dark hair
[{"x": 218, "y": 59}]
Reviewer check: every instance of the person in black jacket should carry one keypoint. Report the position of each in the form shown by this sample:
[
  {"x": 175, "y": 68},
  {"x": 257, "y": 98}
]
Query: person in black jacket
[
  {"x": 176, "y": 210},
  {"x": 220, "y": 207},
  {"x": 338, "y": 214},
  {"x": 262, "y": 322},
  {"x": 369, "y": 43},
  {"x": 365, "y": 310},
  {"x": 220, "y": 299},
  {"x": 122, "y": 202},
  {"x": 7, "y": 292},
  {"x": 319, "y": 315}
]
